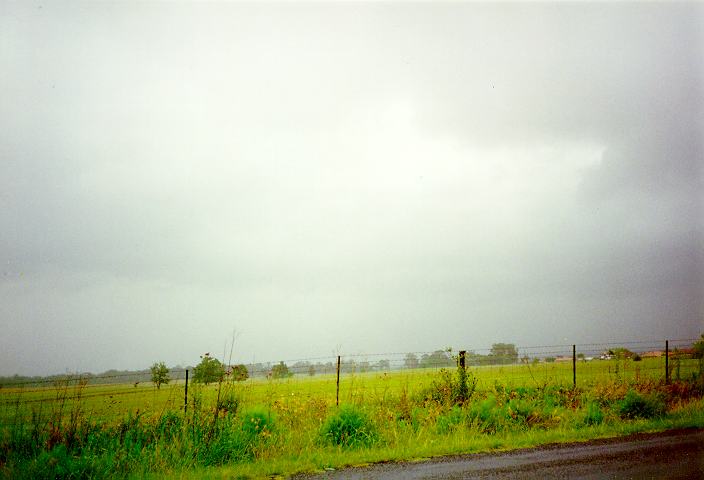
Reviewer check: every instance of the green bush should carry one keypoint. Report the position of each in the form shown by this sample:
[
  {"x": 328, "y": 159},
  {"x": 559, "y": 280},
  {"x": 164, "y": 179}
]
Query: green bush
[
  {"x": 256, "y": 423},
  {"x": 349, "y": 427},
  {"x": 635, "y": 405},
  {"x": 522, "y": 412},
  {"x": 487, "y": 415},
  {"x": 450, "y": 420},
  {"x": 593, "y": 415},
  {"x": 233, "y": 440}
]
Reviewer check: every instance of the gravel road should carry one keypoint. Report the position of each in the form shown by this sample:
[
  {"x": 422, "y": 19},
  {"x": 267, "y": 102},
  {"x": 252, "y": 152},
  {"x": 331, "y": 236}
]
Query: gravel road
[{"x": 677, "y": 454}]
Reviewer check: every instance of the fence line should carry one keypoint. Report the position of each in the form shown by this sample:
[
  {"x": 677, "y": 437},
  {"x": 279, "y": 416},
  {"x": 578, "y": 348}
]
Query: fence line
[{"x": 344, "y": 374}]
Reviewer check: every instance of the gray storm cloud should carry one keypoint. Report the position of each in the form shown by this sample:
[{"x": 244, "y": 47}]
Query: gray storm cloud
[{"x": 379, "y": 177}]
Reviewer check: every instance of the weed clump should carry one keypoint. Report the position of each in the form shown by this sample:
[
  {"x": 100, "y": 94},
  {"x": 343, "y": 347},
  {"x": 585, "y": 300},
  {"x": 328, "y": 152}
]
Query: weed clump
[
  {"x": 636, "y": 405},
  {"x": 231, "y": 439},
  {"x": 349, "y": 427},
  {"x": 449, "y": 390}
]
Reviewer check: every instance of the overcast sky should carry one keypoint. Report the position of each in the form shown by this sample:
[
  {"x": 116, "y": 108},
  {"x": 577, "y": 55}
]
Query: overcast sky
[{"x": 363, "y": 176}]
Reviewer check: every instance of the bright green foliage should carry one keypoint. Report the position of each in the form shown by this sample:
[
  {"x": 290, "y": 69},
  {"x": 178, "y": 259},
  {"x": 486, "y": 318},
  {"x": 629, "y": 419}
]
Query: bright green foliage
[
  {"x": 451, "y": 420},
  {"x": 636, "y": 405},
  {"x": 593, "y": 414},
  {"x": 209, "y": 370},
  {"x": 349, "y": 427},
  {"x": 257, "y": 422},
  {"x": 160, "y": 374}
]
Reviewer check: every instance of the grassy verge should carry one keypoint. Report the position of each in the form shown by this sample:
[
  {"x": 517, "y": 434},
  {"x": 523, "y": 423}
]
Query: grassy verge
[{"x": 463, "y": 441}]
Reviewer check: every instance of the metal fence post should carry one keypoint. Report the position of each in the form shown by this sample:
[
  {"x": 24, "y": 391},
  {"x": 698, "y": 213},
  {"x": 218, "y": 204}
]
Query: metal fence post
[
  {"x": 185, "y": 395},
  {"x": 574, "y": 366},
  {"x": 337, "y": 392},
  {"x": 667, "y": 362}
]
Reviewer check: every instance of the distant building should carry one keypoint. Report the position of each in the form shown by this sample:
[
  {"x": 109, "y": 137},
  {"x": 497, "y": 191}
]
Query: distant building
[
  {"x": 653, "y": 354},
  {"x": 682, "y": 351}
]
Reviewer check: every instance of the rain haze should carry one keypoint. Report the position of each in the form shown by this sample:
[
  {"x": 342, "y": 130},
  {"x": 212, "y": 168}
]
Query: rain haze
[{"x": 353, "y": 177}]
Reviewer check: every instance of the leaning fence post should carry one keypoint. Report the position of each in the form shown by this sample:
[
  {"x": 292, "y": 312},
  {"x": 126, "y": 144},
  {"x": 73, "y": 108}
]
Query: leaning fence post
[
  {"x": 185, "y": 395},
  {"x": 337, "y": 391},
  {"x": 667, "y": 362},
  {"x": 574, "y": 366}
]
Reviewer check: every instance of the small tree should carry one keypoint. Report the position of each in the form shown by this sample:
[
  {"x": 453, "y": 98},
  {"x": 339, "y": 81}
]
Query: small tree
[
  {"x": 621, "y": 353},
  {"x": 209, "y": 370},
  {"x": 160, "y": 374},
  {"x": 280, "y": 371},
  {"x": 411, "y": 361},
  {"x": 504, "y": 353},
  {"x": 439, "y": 358},
  {"x": 698, "y": 348}
]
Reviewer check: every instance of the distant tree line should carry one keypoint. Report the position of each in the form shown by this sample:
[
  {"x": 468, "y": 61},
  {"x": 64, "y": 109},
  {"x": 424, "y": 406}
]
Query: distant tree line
[{"x": 500, "y": 354}]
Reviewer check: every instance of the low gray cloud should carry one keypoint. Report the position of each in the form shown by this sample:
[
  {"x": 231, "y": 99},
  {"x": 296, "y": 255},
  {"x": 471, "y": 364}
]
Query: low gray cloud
[{"x": 379, "y": 177}]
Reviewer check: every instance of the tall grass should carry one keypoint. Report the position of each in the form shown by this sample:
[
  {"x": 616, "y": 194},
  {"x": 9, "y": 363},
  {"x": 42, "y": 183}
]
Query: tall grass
[{"x": 293, "y": 432}]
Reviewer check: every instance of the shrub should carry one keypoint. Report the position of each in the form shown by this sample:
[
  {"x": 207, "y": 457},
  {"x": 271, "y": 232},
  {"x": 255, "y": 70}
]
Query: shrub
[
  {"x": 280, "y": 371},
  {"x": 464, "y": 387},
  {"x": 349, "y": 427},
  {"x": 487, "y": 415},
  {"x": 235, "y": 440},
  {"x": 229, "y": 401},
  {"x": 257, "y": 423},
  {"x": 447, "y": 390},
  {"x": 635, "y": 405},
  {"x": 523, "y": 412},
  {"x": 239, "y": 373},
  {"x": 450, "y": 420},
  {"x": 593, "y": 415}
]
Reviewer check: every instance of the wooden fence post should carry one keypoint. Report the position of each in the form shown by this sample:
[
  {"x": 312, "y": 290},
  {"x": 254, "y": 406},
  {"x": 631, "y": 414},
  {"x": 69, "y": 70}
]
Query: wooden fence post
[
  {"x": 185, "y": 395},
  {"x": 337, "y": 393}
]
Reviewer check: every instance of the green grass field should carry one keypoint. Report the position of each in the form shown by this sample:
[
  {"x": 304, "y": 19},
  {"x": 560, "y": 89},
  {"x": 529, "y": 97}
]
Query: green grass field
[
  {"x": 263, "y": 427},
  {"x": 113, "y": 401}
]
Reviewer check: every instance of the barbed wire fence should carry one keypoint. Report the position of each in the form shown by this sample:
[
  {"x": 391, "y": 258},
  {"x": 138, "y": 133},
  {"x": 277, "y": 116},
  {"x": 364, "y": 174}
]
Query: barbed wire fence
[{"x": 353, "y": 377}]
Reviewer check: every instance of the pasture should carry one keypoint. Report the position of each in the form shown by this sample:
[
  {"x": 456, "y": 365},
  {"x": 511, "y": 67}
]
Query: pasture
[
  {"x": 109, "y": 402},
  {"x": 263, "y": 426}
]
